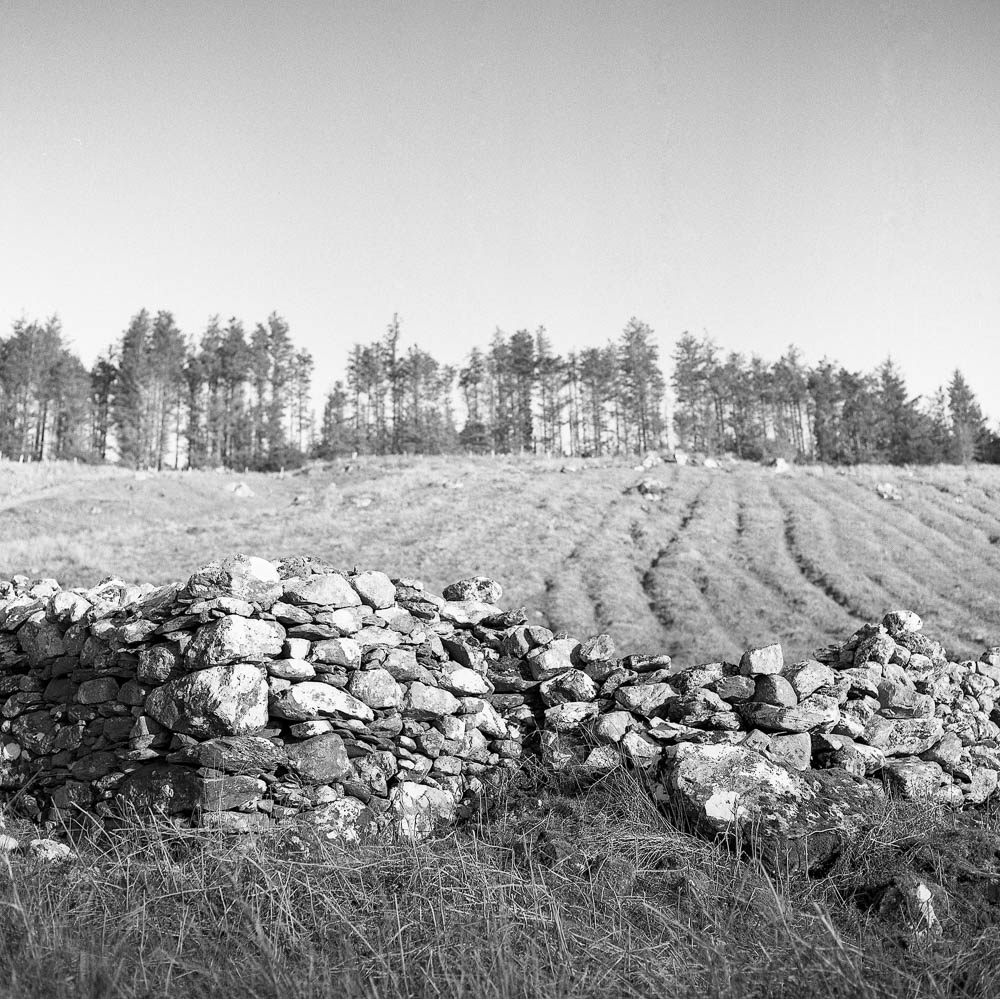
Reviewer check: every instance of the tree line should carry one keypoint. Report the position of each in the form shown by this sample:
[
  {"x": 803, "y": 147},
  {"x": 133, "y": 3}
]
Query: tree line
[
  {"x": 826, "y": 413},
  {"x": 239, "y": 398},
  {"x": 516, "y": 395}
]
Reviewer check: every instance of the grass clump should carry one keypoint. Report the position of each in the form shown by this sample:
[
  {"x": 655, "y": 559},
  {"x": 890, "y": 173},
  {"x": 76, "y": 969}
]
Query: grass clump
[{"x": 562, "y": 890}]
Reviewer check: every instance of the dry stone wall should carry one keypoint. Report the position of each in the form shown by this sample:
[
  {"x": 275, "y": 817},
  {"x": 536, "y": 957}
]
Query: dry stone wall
[{"x": 260, "y": 693}]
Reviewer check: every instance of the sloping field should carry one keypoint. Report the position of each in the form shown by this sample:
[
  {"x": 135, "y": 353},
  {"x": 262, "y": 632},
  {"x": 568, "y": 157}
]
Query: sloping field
[{"x": 728, "y": 558}]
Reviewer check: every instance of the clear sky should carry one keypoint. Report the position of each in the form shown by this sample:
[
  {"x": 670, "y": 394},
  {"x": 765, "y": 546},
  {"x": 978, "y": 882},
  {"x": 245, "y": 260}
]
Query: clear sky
[{"x": 772, "y": 171}]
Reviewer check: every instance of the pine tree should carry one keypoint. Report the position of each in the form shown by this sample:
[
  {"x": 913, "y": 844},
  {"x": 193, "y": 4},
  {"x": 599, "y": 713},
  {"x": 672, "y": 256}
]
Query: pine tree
[{"x": 968, "y": 425}]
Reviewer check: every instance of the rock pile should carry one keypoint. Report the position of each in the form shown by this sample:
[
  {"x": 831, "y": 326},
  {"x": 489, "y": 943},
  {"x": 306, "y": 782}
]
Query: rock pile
[
  {"x": 265, "y": 692},
  {"x": 253, "y": 693},
  {"x": 887, "y": 704}
]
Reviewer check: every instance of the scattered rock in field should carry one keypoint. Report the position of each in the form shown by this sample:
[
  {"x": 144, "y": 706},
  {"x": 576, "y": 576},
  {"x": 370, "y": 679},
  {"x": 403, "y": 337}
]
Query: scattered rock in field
[
  {"x": 888, "y": 491},
  {"x": 650, "y": 489},
  {"x": 908, "y": 903},
  {"x": 241, "y": 490},
  {"x": 50, "y": 851}
]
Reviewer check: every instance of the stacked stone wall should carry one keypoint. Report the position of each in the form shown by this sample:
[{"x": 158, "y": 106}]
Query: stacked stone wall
[{"x": 260, "y": 693}]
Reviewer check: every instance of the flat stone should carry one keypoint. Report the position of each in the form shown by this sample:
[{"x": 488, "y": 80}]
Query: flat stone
[
  {"x": 238, "y": 754},
  {"x": 877, "y": 648},
  {"x": 310, "y": 699},
  {"x": 901, "y": 700},
  {"x": 328, "y": 589},
  {"x": 479, "y": 588},
  {"x": 241, "y": 576},
  {"x": 735, "y": 689},
  {"x": 96, "y": 691},
  {"x": 830, "y": 750},
  {"x": 291, "y": 669},
  {"x": 815, "y": 712},
  {"x": 464, "y": 682},
  {"x": 234, "y": 639}
]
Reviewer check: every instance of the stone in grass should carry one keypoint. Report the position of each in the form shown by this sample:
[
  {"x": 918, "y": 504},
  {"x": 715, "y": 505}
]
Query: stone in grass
[
  {"x": 479, "y": 588},
  {"x": 791, "y": 820},
  {"x": 913, "y": 778},
  {"x": 568, "y": 717},
  {"x": 221, "y": 700},
  {"x": 344, "y": 820},
  {"x": 763, "y": 660},
  {"x": 610, "y": 727},
  {"x": 50, "y": 851},
  {"x": 417, "y": 810},
  {"x": 982, "y": 783},
  {"x": 604, "y": 758}
]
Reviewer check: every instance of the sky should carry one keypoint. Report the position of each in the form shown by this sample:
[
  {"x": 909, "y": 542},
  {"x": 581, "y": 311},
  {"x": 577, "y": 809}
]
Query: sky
[{"x": 768, "y": 172}]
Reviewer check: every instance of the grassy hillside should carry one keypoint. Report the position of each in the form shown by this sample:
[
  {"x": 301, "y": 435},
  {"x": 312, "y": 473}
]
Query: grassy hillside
[
  {"x": 561, "y": 891},
  {"x": 728, "y": 558}
]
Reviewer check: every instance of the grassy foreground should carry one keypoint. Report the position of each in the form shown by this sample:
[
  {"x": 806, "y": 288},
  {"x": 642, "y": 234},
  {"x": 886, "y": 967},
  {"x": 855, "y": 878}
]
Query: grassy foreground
[{"x": 561, "y": 892}]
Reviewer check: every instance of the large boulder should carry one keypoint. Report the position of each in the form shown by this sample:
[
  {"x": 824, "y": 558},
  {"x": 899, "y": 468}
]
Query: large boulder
[
  {"x": 222, "y": 700},
  {"x": 790, "y": 820}
]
